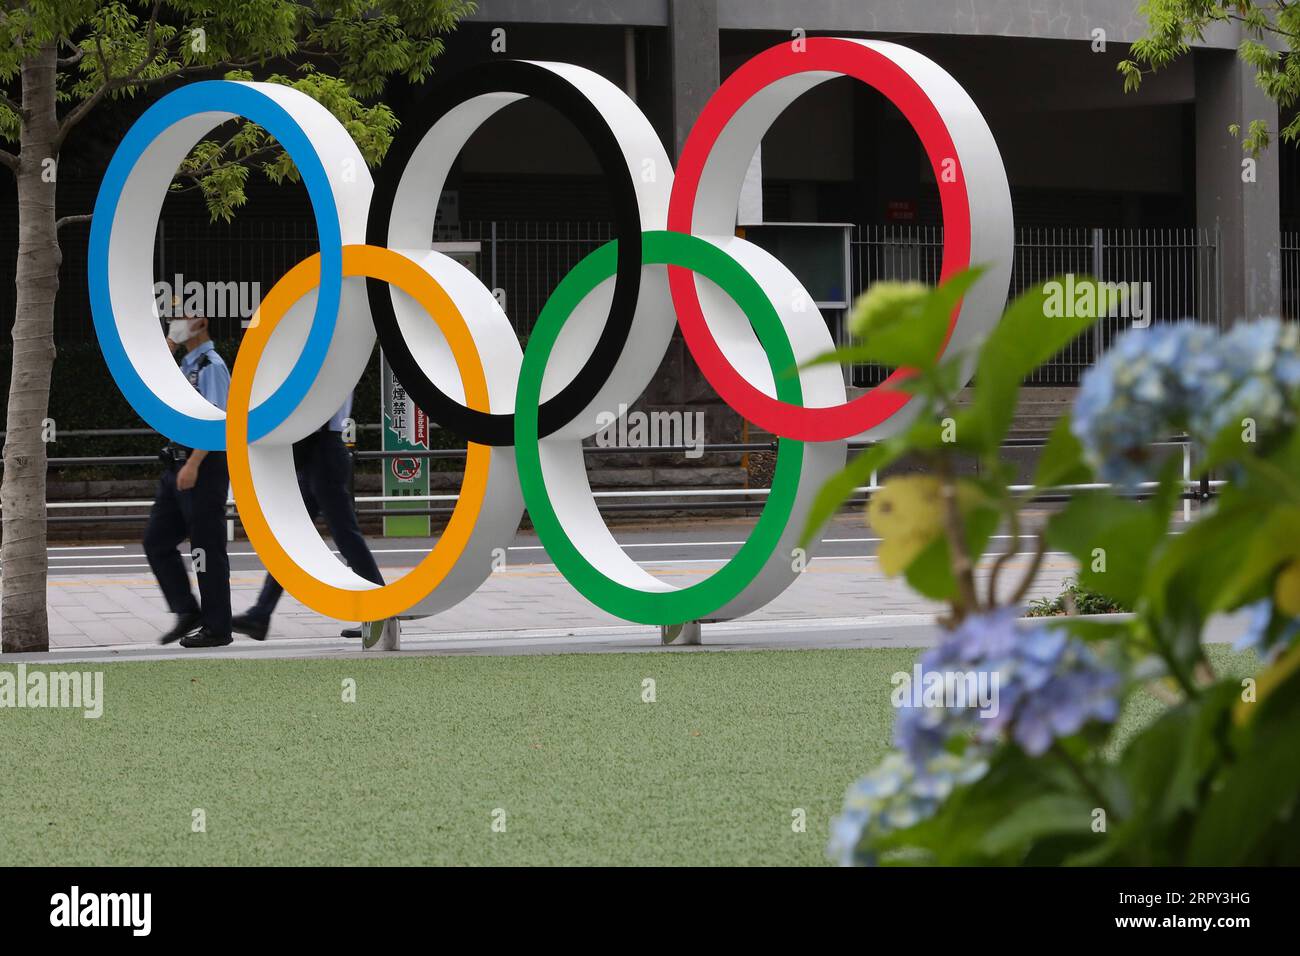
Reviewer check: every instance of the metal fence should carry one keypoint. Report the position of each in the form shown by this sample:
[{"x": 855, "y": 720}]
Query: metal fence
[
  {"x": 1176, "y": 271},
  {"x": 1290, "y": 250},
  {"x": 1170, "y": 274},
  {"x": 526, "y": 260},
  {"x": 681, "y": 499},
  {"x": 253, "y": 253}
]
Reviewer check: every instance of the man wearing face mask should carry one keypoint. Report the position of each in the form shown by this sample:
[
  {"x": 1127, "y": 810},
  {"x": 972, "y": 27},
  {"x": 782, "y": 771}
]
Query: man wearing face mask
[{"x": 191, "y": 503}]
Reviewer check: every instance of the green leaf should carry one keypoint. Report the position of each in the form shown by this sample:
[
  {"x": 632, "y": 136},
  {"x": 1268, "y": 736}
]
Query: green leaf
[
  {"x": 1088, "y": 628},
  {"x": 1061, "y": 461},
  {"x": 1224, "y": 559},
  {"x": 958, "y": 832},
  {"x": 1257, "y": 793},
  {"x": 1112, "y": 538},
  {"x": 930, "y": 574},
  {"x": 910, "y": 337},
  {"x": 1029, "y": 334},
  {"x": 1165, "y": 767},
  {"x": 842, "y": 485},
  {"x": 1052, "y": 814},
  {"x": 1276, "y": 540}
]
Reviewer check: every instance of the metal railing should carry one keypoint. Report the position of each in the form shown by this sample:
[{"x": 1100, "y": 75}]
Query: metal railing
[
  {"x": 1290, "y": 267},
  {"x": 1176, "y": 272},
  {"x": 611, "y": 501},
  {"x": 526, "y": 260}
]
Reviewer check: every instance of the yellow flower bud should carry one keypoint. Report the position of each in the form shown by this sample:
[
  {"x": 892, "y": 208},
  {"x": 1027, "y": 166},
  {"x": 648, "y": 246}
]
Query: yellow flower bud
[
  {"x": 882, "y": 302},
  {"x": 907, "y": 513},
  {"x": 1286, "y": 590}
]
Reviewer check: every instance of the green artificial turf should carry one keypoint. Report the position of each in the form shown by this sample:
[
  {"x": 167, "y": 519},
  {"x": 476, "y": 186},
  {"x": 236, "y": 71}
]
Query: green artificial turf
[{"x": 286, "y": 772}]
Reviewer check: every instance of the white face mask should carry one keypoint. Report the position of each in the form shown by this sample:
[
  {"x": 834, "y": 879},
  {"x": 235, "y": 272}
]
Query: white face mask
[{"x": 180, "y": 331}]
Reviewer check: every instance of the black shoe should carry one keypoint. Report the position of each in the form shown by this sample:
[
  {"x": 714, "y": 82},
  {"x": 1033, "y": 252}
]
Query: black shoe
[
  {"x": 250, "y": 626},
  {"x": 202, "y": 637},
  {"x": 353, "y": 632},
  {"x": 184, "y": 624}
]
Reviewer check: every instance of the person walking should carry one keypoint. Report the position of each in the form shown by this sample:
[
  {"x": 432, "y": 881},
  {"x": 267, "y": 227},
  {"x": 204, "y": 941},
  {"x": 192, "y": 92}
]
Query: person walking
[
  {"x": 324, "y": 469},
  {"x": 191, "y": 503}
]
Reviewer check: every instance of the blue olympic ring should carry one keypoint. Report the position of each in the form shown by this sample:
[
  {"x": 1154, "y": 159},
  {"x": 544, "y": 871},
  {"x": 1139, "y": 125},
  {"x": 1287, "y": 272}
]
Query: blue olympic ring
[{"x": 221, "y": 96}]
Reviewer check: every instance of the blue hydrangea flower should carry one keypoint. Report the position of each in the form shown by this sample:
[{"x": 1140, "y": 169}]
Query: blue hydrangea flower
[
  {"x": 1136, "y": 393},
  {"x": 1183, "y": 376},
  {"x": 1067, "y": 702},
  {"x": 1261, "y": 637},
  {"x": 1048, "y": 685},
  {"x": 1259, "y": 363},
  {"x": 895, "y": 795}
]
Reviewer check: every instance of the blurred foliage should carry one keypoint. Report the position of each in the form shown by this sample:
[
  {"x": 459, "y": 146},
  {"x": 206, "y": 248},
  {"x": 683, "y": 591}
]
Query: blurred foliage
[
  {"x": 1173, "y": 26},
  {"x": 1213, "y": 780},
  {"x": 339, "y": 53}
]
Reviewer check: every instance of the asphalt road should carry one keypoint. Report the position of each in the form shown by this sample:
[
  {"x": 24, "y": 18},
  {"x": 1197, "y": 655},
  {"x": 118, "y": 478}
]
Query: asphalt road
[{"x": 685, "y": 541}]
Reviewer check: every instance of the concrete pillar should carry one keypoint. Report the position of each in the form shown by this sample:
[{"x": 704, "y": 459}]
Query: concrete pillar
[
  {"x": 382, "y": 635},
  {"x": 1247, "y": 213},
  {"x": 681, "y": 635},
  {"x": 693, "y": 49}
]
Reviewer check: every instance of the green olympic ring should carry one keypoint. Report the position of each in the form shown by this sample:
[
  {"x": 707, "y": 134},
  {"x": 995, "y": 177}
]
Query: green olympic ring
[{"x": 700, "y": 600}]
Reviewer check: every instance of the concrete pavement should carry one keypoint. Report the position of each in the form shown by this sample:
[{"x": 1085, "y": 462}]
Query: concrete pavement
[{"x": 104, "y": 603}]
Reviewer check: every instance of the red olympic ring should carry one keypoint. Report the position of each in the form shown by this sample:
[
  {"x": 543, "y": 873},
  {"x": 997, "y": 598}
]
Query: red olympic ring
[{"x": 822, "y": 54}]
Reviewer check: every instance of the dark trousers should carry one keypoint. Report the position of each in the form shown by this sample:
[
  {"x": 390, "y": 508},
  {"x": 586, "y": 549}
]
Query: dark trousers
[
  {"x": 325, "y": 478},
  {"x": 199, "y": 515}
]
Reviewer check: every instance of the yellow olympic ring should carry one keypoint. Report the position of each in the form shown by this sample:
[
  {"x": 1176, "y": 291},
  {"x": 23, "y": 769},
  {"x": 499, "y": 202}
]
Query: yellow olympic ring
[{"x": 374, "y": 603}]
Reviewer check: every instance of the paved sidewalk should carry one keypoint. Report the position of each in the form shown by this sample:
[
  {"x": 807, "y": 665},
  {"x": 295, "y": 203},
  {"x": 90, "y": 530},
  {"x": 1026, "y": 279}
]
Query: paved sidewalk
[
  {"x": 126, "y": 610},
  {"x": 104, "y": 603}
]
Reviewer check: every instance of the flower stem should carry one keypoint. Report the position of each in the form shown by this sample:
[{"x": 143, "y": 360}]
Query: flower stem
[
  {"x": 963, "y": 569},
  {"x": 1082, "y": 778}
]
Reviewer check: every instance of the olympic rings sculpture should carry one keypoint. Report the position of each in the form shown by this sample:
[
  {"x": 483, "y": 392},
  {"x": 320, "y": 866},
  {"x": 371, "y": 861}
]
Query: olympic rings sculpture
[{"x": 596, "y": 344}]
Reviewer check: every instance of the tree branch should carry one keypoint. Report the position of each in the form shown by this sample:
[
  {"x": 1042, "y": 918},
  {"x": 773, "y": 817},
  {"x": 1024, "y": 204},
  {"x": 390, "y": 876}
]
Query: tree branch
[
  {"x": 72, "y": 220},
  {"x": 209, "y": 167},
  {"x": 191, "y": 70},
  {"x": 138, "y": 83},
  {"x": 85, "y": 106},
  {"x": 196, "y": 176},
  {"x": 79, "y": 53},
  {"x": 9, "y": 160}
]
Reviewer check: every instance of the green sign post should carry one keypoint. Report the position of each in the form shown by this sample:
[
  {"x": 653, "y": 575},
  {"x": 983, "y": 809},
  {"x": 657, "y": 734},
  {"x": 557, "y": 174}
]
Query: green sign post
[{"x": 406, "y": 428}]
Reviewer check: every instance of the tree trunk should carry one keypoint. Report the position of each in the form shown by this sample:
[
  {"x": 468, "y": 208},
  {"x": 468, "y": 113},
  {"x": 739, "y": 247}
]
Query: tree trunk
[{"x": 24, "y": 622}]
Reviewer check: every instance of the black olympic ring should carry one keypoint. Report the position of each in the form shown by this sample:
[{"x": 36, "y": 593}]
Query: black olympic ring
[{"x": 533, "y": 80}]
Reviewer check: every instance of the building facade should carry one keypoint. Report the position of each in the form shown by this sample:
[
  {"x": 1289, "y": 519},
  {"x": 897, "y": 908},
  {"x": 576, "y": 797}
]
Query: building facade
[
  {"x": 1081, "y": 154},
  {"x": 1142, "y": 187}
]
